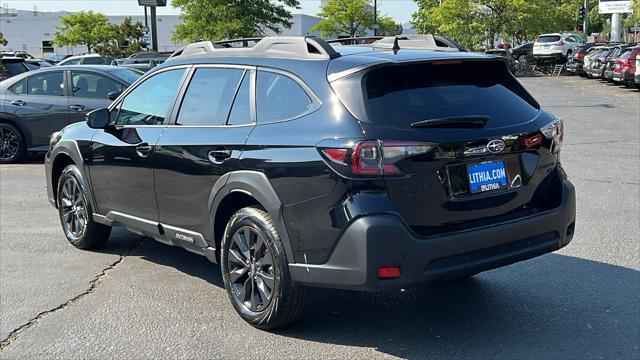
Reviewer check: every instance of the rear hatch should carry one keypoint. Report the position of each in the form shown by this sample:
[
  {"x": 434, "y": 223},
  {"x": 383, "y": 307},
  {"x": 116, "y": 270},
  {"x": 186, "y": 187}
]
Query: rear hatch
[
  {"x": 460, "y": 141},
  {"x": 11, "y": 67}
]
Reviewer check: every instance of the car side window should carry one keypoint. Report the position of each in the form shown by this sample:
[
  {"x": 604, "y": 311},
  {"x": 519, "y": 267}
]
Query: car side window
[
  {"x": 209, "y": 95},
  {"x": 278, "y": 97},
  {"x": 93, "y": 60},
  {"x": 49, "y": 83},
  {"x": 19, "y": 88},
  {"x": 241, "y": 109},
  {"x": 149, "y": 102},
  {"x": 72, "y": 62},
  {"x": 95, "y": 86}
]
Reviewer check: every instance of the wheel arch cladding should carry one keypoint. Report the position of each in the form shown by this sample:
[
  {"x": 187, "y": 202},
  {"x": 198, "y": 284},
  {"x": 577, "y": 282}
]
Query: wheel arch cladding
[
  {"x": 61, "y": 161},
  {"x": 251, "y": 188}
]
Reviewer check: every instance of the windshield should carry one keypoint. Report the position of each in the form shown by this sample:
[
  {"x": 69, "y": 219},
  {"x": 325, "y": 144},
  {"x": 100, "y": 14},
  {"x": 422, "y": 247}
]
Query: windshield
[{"x": 127, "y": 75}]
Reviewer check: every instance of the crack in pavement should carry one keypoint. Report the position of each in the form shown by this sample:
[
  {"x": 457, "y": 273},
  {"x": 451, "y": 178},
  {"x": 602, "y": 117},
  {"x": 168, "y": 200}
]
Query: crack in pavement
[
  {"x": 602, "y": 142},
  {"x": 93, "y": 285},
  {"x": 605, "y": 181}
]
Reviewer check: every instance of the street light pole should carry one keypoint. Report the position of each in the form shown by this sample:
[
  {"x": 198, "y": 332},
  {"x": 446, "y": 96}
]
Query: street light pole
[
  {"x": 585, "y": 24},
  {"x": 375, "y": 17},
  {"x": 154, "y": 29}
]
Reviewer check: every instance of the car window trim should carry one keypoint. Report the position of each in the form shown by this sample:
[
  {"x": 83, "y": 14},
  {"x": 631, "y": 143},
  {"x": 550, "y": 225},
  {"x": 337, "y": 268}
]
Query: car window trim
[
  {"x": 96, "y": 73},
  {"x": 141, "y": 80},
  {"x": 316, "y": 103},
  {"x": 248, "y": 69}
]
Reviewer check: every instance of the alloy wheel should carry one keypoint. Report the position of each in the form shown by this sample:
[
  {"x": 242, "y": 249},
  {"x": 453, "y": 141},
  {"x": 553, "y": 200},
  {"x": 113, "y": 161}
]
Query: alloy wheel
[
  {"x": 73, "y": 208},
  {"x": 9, "y": 144},
  {"x": 251, "y": 272}
]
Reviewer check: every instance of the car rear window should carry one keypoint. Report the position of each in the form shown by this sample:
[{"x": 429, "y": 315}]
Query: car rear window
[
  {"x": 625, "y": 54},
  {"x": 93, "y": 60},
  {"x": 399, "y": 95},
  {"x": 11, "y": 68},
  {"x": 548, "y": 38}
]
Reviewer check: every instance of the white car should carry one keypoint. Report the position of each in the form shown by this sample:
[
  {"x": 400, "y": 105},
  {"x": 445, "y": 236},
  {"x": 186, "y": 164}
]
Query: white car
[
  {"x": 86, "y": 59},
  {"x": 557, "y": 46}
]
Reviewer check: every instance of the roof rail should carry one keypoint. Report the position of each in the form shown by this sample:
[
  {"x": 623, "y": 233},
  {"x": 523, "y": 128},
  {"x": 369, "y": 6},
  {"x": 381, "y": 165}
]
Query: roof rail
[
  {"x": 244, "y": 42},
  {"x": 359, "y": 40},
  {"x": 298, "y": 47},
  {"x": 418, "y": 41}
]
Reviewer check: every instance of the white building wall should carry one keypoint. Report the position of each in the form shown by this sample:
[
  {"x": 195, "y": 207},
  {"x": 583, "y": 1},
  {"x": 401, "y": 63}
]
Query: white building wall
[{"x": 26, "y": 30}]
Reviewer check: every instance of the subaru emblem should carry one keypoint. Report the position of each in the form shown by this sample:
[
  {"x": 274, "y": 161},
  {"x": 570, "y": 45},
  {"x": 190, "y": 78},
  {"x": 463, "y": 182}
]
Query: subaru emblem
[{"x": 496, "y": 146}]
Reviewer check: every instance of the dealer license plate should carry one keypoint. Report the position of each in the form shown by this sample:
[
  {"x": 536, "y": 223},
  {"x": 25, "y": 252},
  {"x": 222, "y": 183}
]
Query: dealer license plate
[{"x": 487, "y": 176}]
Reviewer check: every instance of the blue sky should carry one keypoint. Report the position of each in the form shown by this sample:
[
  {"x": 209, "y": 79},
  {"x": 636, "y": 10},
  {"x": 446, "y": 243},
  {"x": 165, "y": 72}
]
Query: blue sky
[{"x": 400, "y": 10}]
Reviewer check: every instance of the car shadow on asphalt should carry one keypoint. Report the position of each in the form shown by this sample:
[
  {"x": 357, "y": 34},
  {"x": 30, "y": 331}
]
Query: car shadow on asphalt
[{"x": 549, "y": 307}]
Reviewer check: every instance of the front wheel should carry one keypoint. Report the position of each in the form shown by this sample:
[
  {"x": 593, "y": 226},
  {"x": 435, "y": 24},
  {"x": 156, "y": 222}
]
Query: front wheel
[
  {"x": 75, "y": 212},
  {"x": 255, "y": 271}
]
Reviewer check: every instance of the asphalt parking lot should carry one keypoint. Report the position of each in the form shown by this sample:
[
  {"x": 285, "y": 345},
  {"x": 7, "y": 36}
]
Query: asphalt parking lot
[{"x": 140, "y": 299}]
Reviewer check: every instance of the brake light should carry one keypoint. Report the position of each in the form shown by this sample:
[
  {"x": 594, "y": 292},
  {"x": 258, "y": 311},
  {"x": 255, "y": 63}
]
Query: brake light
[
  {"x": 375, "y": 157},
  {"x": 555, "y": 132},
  {"x": 580, "y": 56},
  {"x": 559, "y": 43}
]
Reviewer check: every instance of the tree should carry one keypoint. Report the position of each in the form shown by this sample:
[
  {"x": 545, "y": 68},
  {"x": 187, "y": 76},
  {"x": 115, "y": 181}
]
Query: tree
[
  {"x": 474, "y": 22},
  {"x": 127, "y": 39},
  {"x": 220, "y": 19},
  {"x": 351, "y": 17},
  {"x": 3, "y": 40},
  {"x": 84, "y": 28},
  {"x": 388, "y": 26}
]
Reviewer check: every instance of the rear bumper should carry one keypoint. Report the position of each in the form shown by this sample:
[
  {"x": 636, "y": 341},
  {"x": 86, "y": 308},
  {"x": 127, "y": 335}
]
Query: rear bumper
[
  {"x": 623, "y": 77},
  {"x": 374, "y": 241},
  {"x": 555, "y": 56}
]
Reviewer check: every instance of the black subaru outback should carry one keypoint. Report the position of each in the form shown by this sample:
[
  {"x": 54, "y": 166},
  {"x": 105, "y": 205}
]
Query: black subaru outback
[{"x": 296, "y": 163}]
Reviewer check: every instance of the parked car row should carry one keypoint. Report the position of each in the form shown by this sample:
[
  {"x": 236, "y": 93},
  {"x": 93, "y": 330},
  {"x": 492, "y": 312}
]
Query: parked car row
[
  {"x": 34, "y": 104},
  {"x": 613, "y": 62}
]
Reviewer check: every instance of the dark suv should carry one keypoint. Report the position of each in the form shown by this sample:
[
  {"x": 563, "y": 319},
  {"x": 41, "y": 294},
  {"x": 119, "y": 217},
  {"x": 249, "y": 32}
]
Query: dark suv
[{"x": 294, "y": 163}]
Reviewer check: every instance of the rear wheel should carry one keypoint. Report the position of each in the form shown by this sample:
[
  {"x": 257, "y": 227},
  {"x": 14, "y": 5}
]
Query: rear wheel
[
  {"x": 255, "y": 271},
  {"x": 76, "y": 214},
  {"x": 12, "y": 144}
]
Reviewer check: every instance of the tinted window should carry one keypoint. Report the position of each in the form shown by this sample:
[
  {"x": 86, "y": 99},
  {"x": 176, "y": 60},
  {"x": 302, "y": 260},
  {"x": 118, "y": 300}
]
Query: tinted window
[
  {"x": 12, "y": 68},
  {"x": 241, "y": 110},
  {"x": 93, "y": 60},
  {"x": 50, "y": 83},
  {"x": 548, "y": 39},
  {"x": 148, "y": 103},
  {"x": 278, "y": 97},
  {"x": 93, "y": 86},
  {"x": 71, "y": 62},
  {"x": 19, "y": 88},
  {"x": 208, "y": 98},
  {"x": 398, "y": 96},
  {"x": 625, "y": 54},
  {"x": 126, "y": 75}
]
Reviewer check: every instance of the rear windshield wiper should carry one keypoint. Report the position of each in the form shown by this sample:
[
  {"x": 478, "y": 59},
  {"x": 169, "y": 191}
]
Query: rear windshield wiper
[{"x": 465, "y": 121}]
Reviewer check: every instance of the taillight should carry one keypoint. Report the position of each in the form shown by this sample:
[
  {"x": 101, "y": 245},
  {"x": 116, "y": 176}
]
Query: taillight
[
  {"x": 374, "y": 157},
  {"x": 580, "y": 55},
  {"x": 555, "y": 132},
  {"x": 559, "y": 43}
]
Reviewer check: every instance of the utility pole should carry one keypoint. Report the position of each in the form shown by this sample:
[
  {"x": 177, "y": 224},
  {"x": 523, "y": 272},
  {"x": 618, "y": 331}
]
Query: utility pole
[
  {"x": 154, "y": 29},
  {"x": 615, "y": 27},
  {"x": 375, "y": 17},
  {"x": 585, "y": 24}
]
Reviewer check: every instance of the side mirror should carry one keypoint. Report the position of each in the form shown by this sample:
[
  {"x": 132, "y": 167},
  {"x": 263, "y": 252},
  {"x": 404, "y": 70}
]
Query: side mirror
[
  {"x": 113, "y": 95},
  {"x": 98, "y": 119}
]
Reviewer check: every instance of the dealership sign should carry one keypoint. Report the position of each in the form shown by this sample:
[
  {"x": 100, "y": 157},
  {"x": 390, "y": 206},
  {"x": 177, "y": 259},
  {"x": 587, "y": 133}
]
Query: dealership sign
[{"x": 614, "y": 6}]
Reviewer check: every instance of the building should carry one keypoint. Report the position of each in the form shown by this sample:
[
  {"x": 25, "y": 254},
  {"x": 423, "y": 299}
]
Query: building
[{"x": 33, "y": 31}]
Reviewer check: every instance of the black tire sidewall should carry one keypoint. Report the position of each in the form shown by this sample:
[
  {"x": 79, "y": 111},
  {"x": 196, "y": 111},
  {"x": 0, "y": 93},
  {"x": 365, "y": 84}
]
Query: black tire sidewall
[
  {"x": 22, "y": 149},
  {"x": 257, "y": 220},
  {"x": 85, "y": 241}
]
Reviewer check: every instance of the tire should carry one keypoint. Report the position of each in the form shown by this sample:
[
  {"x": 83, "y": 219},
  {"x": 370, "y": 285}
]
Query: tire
[
  {"x": 252, "y": 258},
  {"x": 75, "y": 212},
  {"x": 13, "y": 147}
]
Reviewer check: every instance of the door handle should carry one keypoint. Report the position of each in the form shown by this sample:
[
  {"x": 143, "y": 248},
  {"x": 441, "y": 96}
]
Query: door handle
[
  {"x": 77, "y": 107},
  {"x": 218, "y": 156},
  {"x": 144, "y": 149},
  {"x": 17, "y": 102}
]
